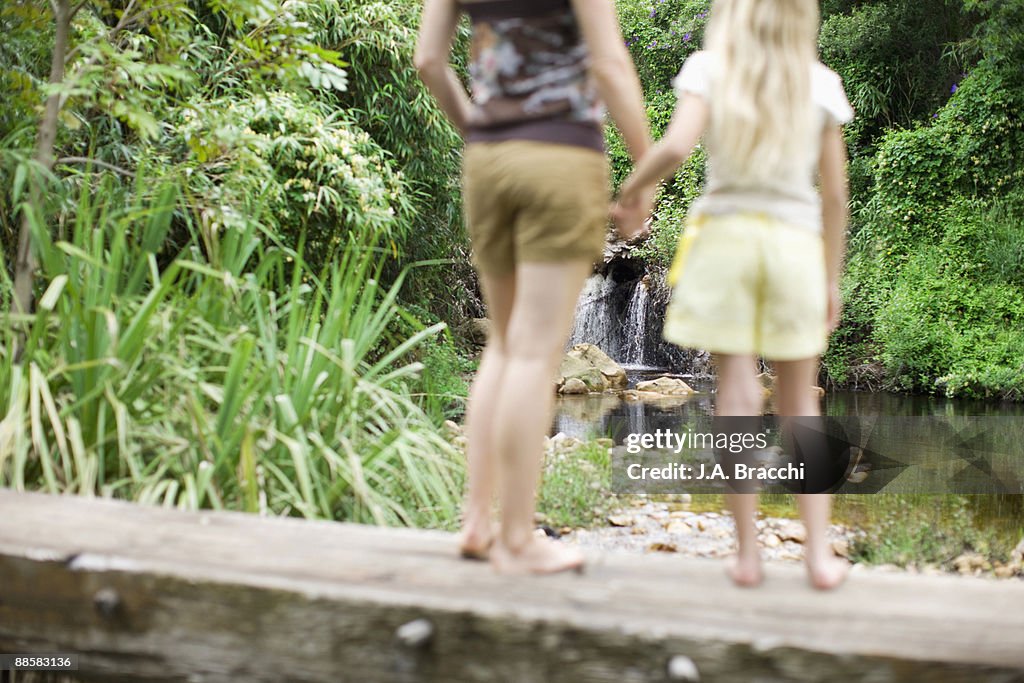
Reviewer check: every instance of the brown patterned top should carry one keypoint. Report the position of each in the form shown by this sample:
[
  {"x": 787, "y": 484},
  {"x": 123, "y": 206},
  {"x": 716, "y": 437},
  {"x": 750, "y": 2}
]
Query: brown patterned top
[{"x": 530, "y": 74}]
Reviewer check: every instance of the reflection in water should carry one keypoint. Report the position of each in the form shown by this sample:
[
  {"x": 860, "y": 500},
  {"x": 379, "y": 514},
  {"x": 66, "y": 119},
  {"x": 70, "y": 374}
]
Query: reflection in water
[{"x": 609, "y": 416}]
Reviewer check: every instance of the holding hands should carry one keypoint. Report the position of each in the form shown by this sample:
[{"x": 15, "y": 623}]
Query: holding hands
[{"x": 631, "y": 214}]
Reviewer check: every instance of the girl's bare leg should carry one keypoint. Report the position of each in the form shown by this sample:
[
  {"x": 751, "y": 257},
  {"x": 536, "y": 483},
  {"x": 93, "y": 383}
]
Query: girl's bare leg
[
  {"x": 545, "y": 300},
  {"x": 739, "y": 394},
  {"x": 794, "y": 399},
  {"x": 477, "y": 532}
]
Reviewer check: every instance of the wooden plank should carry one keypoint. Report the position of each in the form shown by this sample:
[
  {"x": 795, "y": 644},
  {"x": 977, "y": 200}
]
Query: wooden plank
[{"x": 151, "y": 594}]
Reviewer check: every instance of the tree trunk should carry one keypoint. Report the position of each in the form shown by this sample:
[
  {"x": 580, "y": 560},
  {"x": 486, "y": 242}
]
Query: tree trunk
[{"x": 25, "y": 264}]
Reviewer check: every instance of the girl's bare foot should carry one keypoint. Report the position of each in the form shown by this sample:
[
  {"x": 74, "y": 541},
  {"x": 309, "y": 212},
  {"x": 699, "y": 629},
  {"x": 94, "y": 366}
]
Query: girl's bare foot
[
  {"x": 827, "y": 573},
  {"x": 537, "y": 556},
  {"x": 745, "y": 570}
]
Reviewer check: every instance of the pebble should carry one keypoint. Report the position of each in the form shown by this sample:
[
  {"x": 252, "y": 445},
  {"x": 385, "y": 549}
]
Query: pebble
[{"x": 644, "y": 526}]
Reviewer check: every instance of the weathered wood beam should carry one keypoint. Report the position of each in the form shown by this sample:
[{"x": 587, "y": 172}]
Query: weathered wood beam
[{"x": 148, "y": 594}]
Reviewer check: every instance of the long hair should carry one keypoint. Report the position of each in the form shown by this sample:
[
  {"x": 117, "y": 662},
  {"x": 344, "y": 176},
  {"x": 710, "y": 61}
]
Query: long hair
[{"x": 762, "y": 111}]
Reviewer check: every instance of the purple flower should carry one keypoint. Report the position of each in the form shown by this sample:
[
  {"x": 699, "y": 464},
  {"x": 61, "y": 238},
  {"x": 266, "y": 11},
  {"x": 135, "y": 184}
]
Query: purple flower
[
  {"x": 686, "y": 37},
  {"x": 953, "y": 89},
  {"x": 653, "y": 12}
]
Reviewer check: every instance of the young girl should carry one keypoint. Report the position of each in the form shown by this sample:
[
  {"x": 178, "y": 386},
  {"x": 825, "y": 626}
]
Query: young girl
[
  {"x": 755, "y": 273},
  {"x": 536, "y": 195}
]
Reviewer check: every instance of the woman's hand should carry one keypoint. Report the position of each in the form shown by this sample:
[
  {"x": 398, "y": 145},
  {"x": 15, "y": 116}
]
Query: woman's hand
[{"x": 631, "y": 213}]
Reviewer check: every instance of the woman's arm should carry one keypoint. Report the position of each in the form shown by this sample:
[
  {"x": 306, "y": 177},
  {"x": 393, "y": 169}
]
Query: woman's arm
[
  {"x": 688, "y": 123},
  {"x": 835, "y": 212},
  {"x": 613, "y": 72},
  {"x": 619, "y": 87},
  {"x": 437, "y": 26}
]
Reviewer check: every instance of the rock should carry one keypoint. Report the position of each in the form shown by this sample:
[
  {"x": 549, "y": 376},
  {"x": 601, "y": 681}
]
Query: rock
[
  {"x": 478, "y": 330},
  {"x": 679, "y": 528},
  {"x": 772, "y": 541},
  {"x": 857, "y": 476},
  {"x": 415, "y": 634},
  {"x": 1017, "y": 554},
  {"x": 620, "y": 520},
  {"x": 613, "y": 373},
  {"x": 605, "y": 442},
  {"x": 970, "y": 563},
  {"x": 666, "y": 386},
  {"x": 793, "y": 531},
  {"x": 573, "y": 367},
  {"x": 817, "y": 391},
  {"x": 574, "y": 386},
  {"x": 682, "y": 668},
  {"x": 1005, "y": 572},
  {"x": 841, "y": 548},
  {"x": 662, "y": 547},
  {"x": 452, "y": 429}
]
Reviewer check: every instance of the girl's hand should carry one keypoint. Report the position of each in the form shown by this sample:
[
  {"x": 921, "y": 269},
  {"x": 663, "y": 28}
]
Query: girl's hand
[{"x": 835, "y": 306}]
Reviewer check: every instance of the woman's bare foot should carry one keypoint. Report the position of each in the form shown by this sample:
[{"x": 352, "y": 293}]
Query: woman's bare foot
[
  {"x": 476, "y": 540},
  {"x": 827, "y": 573},
  {"x": 537, "y": 556},
  {"x": 745, "y": 570}
]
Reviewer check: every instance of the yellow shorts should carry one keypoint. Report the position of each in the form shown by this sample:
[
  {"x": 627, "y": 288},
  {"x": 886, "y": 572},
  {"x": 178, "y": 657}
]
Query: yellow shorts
[
  {"x": 749, "y": 284},
  {"x": 531, "y": 201}
]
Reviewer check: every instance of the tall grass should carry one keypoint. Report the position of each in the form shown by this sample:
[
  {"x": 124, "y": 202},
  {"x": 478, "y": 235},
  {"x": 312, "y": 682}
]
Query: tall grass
[{"x": 227, "y": 376}]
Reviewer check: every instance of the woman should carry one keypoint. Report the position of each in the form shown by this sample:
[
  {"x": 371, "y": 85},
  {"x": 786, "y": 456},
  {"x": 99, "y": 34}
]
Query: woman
[{"x": 536, "y": 197}]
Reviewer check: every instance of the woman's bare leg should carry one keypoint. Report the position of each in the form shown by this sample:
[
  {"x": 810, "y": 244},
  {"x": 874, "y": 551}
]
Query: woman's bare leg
[
  {"x": 794, "y": 399},
  {"x": 545, "y": 300},
  {"x": 739, "y": 394},
  {"x": 477, "y": 533}
]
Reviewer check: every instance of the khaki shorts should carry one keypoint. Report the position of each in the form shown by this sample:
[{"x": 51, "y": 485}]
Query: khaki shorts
[
  {"x": 747, "y": 284},
  {"x": 533, "y": 201}
]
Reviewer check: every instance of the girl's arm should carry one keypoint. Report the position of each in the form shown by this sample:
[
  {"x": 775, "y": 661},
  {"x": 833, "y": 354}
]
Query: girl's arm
[
  {"x": 437, "y": 26},
  {"x": 835, "y": 210},
  {"x": 688, "y": 124},
  {"x": 613, "y": 72}
]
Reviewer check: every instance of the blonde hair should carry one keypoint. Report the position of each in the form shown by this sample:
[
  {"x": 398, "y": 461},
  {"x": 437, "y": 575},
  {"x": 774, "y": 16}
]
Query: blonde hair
[{"x": 762, "y": 110}]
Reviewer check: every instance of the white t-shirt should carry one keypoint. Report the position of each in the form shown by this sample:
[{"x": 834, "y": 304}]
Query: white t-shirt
[{"x": 789, "y": 195}]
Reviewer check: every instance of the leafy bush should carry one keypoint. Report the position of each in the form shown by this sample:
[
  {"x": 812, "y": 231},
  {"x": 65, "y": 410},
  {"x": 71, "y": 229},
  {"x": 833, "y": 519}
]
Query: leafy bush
[
  {"x": 314, "y": 170},
  {"x": 895, "y": 59}
]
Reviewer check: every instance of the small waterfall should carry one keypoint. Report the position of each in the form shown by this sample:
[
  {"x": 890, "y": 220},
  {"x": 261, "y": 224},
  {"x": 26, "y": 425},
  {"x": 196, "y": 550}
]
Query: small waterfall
[
  {"x": 621, "y": 311},
  {"x": 595, "y": 321},
  {"x": 635, "y": 330}
]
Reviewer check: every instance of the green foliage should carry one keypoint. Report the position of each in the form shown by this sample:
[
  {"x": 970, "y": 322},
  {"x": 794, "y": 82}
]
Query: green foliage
[
  {"x": 896, "y": 59},
  {"x": 933, "y": 289},
  {"x": 245, "y": 382},
  {"x": 386, "y": 99},
  {"x": 660, "y": 35},
  {"x": 315, "y": 171},
  {"x": 925, "y": 531},
  {"x": 575, "y": 486}
]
